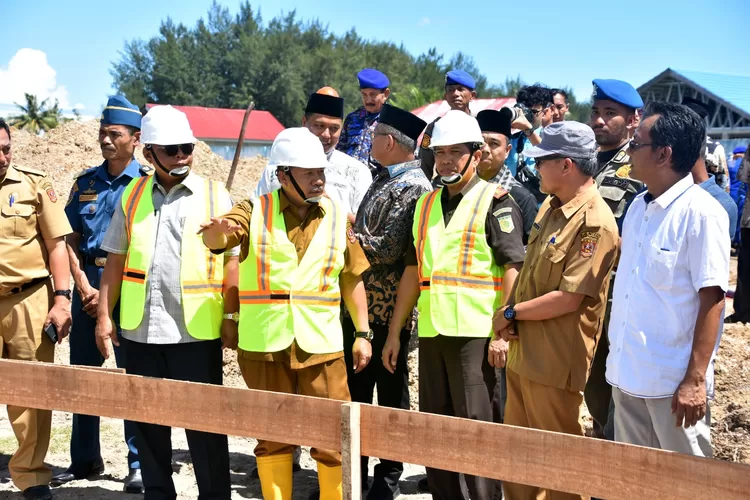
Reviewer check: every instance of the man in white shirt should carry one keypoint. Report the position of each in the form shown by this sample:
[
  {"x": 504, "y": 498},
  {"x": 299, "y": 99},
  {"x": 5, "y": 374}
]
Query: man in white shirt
[
  {"x": 347, "y": 180},
  {"x": 669, "y": 292}
]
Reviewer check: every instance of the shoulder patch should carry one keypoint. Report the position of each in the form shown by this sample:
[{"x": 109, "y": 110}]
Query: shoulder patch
[
  {"x": 501, "y": 211},
  {"x": 146, "y": 170},
  {"x": 73, "y": 191},
  {"x": 589, "y": 240},
  {"x": 506, "y": 223},
  {"x": 500, "y": 193},
  {"x": 350, "y": 232},
  {"x": 47, "y": 187},
  {"x": 426, "y": 140},
  {"x": 31, "y": 171},
  {"x": 620, "y": 156},
  {"x": 85, "y": 172},
  {"x": 623, "y": 172}
]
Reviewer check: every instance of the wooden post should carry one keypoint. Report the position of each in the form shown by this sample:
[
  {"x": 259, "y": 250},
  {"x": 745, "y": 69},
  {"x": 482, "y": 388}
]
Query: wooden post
[
  {"x": 350, "y": 452},
  {"x": 238, "y": 151}
]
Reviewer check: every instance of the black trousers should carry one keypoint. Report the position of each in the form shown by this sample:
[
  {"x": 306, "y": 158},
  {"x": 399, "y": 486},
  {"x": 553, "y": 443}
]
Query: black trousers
[
  {"x": 742, "y": 292},
  {"x": 456, "y": 379},
  {"x": 192, "y": 362},
  {"x": 598, "y": 392},
  {"x": 393, "y": 392}
]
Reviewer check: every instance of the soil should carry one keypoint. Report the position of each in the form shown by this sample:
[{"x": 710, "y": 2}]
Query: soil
[{"x": 73, "y": 146}]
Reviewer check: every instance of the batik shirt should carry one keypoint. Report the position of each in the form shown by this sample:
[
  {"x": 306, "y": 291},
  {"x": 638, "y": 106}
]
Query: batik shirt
[{"x": 357, "y": 133}]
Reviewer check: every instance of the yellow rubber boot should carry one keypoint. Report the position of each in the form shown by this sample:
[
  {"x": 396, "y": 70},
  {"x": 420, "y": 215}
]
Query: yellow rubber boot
[
  {"x": 275, "y": 472},
  {"x": 329, "y": 480}
]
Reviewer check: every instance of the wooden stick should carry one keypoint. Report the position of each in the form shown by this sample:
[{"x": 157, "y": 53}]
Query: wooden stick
[
  {"x": 350, "y": 455},
  {"x": 240, "y": 142}
]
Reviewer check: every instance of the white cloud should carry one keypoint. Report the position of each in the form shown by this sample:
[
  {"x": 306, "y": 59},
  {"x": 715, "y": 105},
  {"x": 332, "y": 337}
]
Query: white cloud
[
  {"x": 79, "y": 106},
  {"x": 424, "y": 21},
  {"x": 29, "y": 72}
]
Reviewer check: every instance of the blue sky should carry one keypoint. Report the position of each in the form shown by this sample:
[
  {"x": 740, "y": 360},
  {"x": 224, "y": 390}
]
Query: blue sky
[{"x": 555, "y": 42}]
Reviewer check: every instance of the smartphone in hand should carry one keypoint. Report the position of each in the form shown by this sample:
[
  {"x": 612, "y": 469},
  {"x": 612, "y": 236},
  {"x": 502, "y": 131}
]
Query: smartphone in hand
[{"x": 51, "y": 332}]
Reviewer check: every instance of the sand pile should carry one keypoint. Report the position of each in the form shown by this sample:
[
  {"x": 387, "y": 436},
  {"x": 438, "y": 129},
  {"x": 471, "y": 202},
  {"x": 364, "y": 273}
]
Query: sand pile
[{"x": 73, "y": 146}]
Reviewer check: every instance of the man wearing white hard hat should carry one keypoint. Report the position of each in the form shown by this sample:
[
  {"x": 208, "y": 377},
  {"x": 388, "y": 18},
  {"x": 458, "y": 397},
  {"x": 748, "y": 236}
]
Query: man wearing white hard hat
[
  {"x": 466, "y": 250},
  {"x": 298, "y": 259},
  {"x": 174, "y": 317}
]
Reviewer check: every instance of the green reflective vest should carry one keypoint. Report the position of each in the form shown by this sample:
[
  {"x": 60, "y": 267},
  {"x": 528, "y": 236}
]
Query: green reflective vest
[
  {"x": 281, "y": 299},
  {"x": 201, "y": 272},
  {"x": 460, "y": 283}
]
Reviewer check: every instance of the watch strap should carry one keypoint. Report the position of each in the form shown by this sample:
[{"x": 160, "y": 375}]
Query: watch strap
[{"x": 63, "y": 293}]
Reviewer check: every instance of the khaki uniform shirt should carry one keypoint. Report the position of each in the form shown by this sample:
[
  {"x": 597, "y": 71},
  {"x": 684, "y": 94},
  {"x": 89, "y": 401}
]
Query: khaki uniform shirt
[
  {"x": 30, "y": 212},
  {"x": 300, "y": 233},
  {"x": 571, "y": 248}
]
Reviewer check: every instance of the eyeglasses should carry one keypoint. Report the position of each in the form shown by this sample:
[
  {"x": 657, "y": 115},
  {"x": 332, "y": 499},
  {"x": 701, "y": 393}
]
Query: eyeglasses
[
  {"x": 172, "y": 149},
  {"x": 633, "y": 145},
  {"x": 543, "y": 159},
  {"x": 536, "y": 112}
]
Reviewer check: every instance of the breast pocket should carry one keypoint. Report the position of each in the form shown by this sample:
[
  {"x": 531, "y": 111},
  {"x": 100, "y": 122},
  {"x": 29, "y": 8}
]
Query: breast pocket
[
  {"x": 550, "y": 267},
  {"x": 87, "y": 212},
  {"x": 660, "y": 268},
  {"x": 18, "y": 221}
]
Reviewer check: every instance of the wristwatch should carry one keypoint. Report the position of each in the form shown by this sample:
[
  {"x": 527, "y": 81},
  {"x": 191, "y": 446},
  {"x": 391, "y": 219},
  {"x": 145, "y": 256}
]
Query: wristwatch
[
  {"x": 235, "y": 316},
  {"x": 63, "y": 293},
  {"x": 509, "y": 313},
  {"x": 368, "y": 335}
]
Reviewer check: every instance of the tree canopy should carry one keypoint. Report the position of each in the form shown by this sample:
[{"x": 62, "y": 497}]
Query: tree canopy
[
  {"x": 227, "y": 61},
  {"x": 36, "y": 116}
]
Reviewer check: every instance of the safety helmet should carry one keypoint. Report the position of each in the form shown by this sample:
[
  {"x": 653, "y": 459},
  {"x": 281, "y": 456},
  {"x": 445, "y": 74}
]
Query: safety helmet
[
  {"x": 297, "y": 147},
  {"x": 165, "y": 126},
  {"x": 456, "y": 127}
]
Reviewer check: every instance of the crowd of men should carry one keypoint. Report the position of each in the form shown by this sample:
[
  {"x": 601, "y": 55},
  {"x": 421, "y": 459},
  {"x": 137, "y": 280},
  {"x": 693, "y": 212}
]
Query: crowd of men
[{"x": 541, "y": 262}]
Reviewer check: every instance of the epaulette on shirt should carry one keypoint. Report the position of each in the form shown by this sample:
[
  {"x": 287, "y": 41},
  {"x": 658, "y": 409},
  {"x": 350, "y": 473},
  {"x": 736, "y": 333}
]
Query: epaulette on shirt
[
  {"x": 85, "y": 172},
  {"x": 31, "y": 171},
  {"x": 501, "y": 193},
  {"x": 146, "y": 170}
]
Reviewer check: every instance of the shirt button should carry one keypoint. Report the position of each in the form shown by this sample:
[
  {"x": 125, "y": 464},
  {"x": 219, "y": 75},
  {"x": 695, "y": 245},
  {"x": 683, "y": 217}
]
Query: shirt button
[
  {"x": 626, "y": 296},
  {"x": 646, "y": 218},
  {"x": 639, "y": 245},
  {"x": 18, "y": 211}
]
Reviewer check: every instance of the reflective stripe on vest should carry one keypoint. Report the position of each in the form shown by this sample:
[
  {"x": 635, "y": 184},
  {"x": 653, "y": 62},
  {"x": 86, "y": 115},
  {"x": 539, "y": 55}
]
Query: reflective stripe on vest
[
  {"x": 282, "y": 299},
  {"x": 460, "y": 284},
  {"x": 201, "y": 285}
]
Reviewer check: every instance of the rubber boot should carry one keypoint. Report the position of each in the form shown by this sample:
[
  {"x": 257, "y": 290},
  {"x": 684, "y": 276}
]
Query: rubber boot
[
  {"x": 329, "y": 480},
  {"x": 275, "y": 472}
]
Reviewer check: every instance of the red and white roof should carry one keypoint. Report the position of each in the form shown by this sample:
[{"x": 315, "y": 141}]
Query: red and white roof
[
  {"x": 438, "y": 108},
  {"x": 225, "y": 124}
]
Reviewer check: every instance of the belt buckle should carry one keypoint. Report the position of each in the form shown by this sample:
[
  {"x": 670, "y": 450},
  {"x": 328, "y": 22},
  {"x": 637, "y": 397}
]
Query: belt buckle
[{"x": 100, "y": 261}]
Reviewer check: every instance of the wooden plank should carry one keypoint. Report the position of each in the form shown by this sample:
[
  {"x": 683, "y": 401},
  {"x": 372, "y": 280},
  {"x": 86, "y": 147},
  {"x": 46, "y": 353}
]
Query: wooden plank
[
  {"x": 556, "y": 461},
  {"x": 273, "y": 416},
  {"x": 350, "y": 455},
  {"x": 99, "y": 368}
]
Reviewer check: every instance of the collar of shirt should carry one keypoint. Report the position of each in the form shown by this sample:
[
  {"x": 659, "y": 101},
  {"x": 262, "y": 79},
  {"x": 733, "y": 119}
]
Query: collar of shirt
[
  {"x": 400, "y": 168},
  {"x": 505, "y": 179},
  {"x": 11, "y": 174},
  {"x": 132, "y": 170},
  {"x": 671, "y": 194},
  {"x": 192, "y": 182},
  {"x": 576, "y": 203}
]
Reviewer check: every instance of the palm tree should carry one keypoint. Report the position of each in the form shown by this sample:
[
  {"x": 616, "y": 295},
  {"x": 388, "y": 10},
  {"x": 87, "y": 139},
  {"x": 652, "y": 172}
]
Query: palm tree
[
  {"x": 413, "y": 98},
  {"x": 35, "y": 117}
]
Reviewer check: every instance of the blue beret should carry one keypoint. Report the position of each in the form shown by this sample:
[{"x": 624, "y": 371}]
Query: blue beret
[
  {"x": 372, "y": 79},
  {"x": 739, "y": 150},
  {"x": 618, "y": 91},
  {"x": 460, "y": 77},
  {"x": 119, "y": 111}
]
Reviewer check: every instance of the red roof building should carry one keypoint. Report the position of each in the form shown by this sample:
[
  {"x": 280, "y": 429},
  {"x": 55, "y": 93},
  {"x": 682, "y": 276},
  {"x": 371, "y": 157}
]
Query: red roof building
[
  {"x": 437, "y": 109},
  {"x": 220, "y": 129}
]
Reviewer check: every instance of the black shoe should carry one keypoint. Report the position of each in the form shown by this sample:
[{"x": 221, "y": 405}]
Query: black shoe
[
  {"x": 315, "y": 495},
  {"x": 423, "y": 485},
  {"x": 732, "y": 319},
  {"x": 38, "y": 493},
  {"x": 295, "y": 468},
  {"x": 73, "y": 473},
  {"x": 383, "y": 493},
  {"x": 134, "y": 482}
]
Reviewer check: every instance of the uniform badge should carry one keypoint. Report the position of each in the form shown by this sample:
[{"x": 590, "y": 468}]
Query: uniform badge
[
  {"x": 589, "y": 241},
  {"x": 506, "y": 223},
  {"x": 623, "y": 172},
  {"x": 73, "y": 191},
  {"x": 88, "y": 197},
  {"x": 50, "y": 192},
  {"x": 426, "y": 140},
  {"x": 620, "y": 156},
  {"x": 595, "y": 91},
  {"x": 350, "y": 234}
]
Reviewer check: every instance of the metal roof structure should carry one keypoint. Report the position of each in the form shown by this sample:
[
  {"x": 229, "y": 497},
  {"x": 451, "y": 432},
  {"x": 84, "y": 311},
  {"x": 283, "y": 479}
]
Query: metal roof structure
[{"x": 727, "y": 95}]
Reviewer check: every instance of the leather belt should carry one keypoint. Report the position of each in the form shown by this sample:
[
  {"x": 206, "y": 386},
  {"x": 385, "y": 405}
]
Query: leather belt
[
  {"x": 25, "y": 286},
  {"x": 96, "y": 261}
]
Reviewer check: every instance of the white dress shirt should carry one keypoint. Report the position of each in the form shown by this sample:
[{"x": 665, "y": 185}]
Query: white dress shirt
[
  {"x": 672, "y": 247},
  {"x": 347, "y": 180}
]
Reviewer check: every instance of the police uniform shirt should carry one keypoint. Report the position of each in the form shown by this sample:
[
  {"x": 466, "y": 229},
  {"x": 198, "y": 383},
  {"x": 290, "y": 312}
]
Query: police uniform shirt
[
  {"x": 30, "y": 212},
  {"x": 613, "y": 179},
  {"x": 300, "y": 233},
  {"x": 93, "y": 200},
  {"x": 503, "y": 227},
  {"x": 571, "y": 248}
]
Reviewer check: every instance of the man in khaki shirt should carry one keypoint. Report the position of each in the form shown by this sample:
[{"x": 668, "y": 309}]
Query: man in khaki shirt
[
  {"x": 553, "y": 322},
  {"x": 32, "y": 227}
]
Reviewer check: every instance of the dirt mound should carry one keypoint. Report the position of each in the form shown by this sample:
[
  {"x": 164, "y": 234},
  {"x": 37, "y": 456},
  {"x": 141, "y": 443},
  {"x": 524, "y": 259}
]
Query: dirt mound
[{"x": 73, "y": 146}]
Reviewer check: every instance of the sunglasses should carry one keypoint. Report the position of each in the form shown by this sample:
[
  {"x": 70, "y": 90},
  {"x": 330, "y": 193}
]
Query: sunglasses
[
  {"x": 172, "y": 149},
  {"x": 634, "y": 145}
]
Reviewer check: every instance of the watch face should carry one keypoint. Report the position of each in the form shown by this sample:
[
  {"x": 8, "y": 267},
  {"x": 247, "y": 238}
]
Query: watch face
[{"x": 509, "y": 313}]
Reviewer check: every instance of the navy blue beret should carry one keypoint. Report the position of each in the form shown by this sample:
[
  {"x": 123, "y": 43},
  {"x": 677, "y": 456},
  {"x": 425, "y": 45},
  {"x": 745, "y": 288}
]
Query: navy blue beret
[
  {"x": 372, "y": 79},
  {"x": 460, "y": 77},
  {"x": 618, "y": 91},
  {"x": 120, "y": 111}
]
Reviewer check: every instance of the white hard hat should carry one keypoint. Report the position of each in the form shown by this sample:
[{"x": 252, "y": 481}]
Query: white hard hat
[
  {"x": 297, "y": 147},
  {"x": 165, "y": 125},
  {"x": 456, "y": 127}
]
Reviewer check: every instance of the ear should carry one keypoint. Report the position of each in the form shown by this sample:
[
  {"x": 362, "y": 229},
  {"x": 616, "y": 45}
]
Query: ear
[
  {"x": 567, "y": 166},
  {"x": 387, "y": 93},
  {"x": 473, "y": 94},
  {"x": 665, "y": 156},
  {"x": 137, "y": 136},
  {"x": 508, "y": 147},
  {"x": 147, "y": 154},
  {"x": 477, "y": 155},
  {"x": 304, "y": 121}
]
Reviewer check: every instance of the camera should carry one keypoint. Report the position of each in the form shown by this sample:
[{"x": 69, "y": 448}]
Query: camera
[{"x": 519, "y": 108}]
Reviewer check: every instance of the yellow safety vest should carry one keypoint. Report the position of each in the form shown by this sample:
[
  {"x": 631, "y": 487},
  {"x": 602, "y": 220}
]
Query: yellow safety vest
[
  {"x": 201, "y": 272},
  {"x": 460, "y": 283},
  {"x": 281, "y": 299}
]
